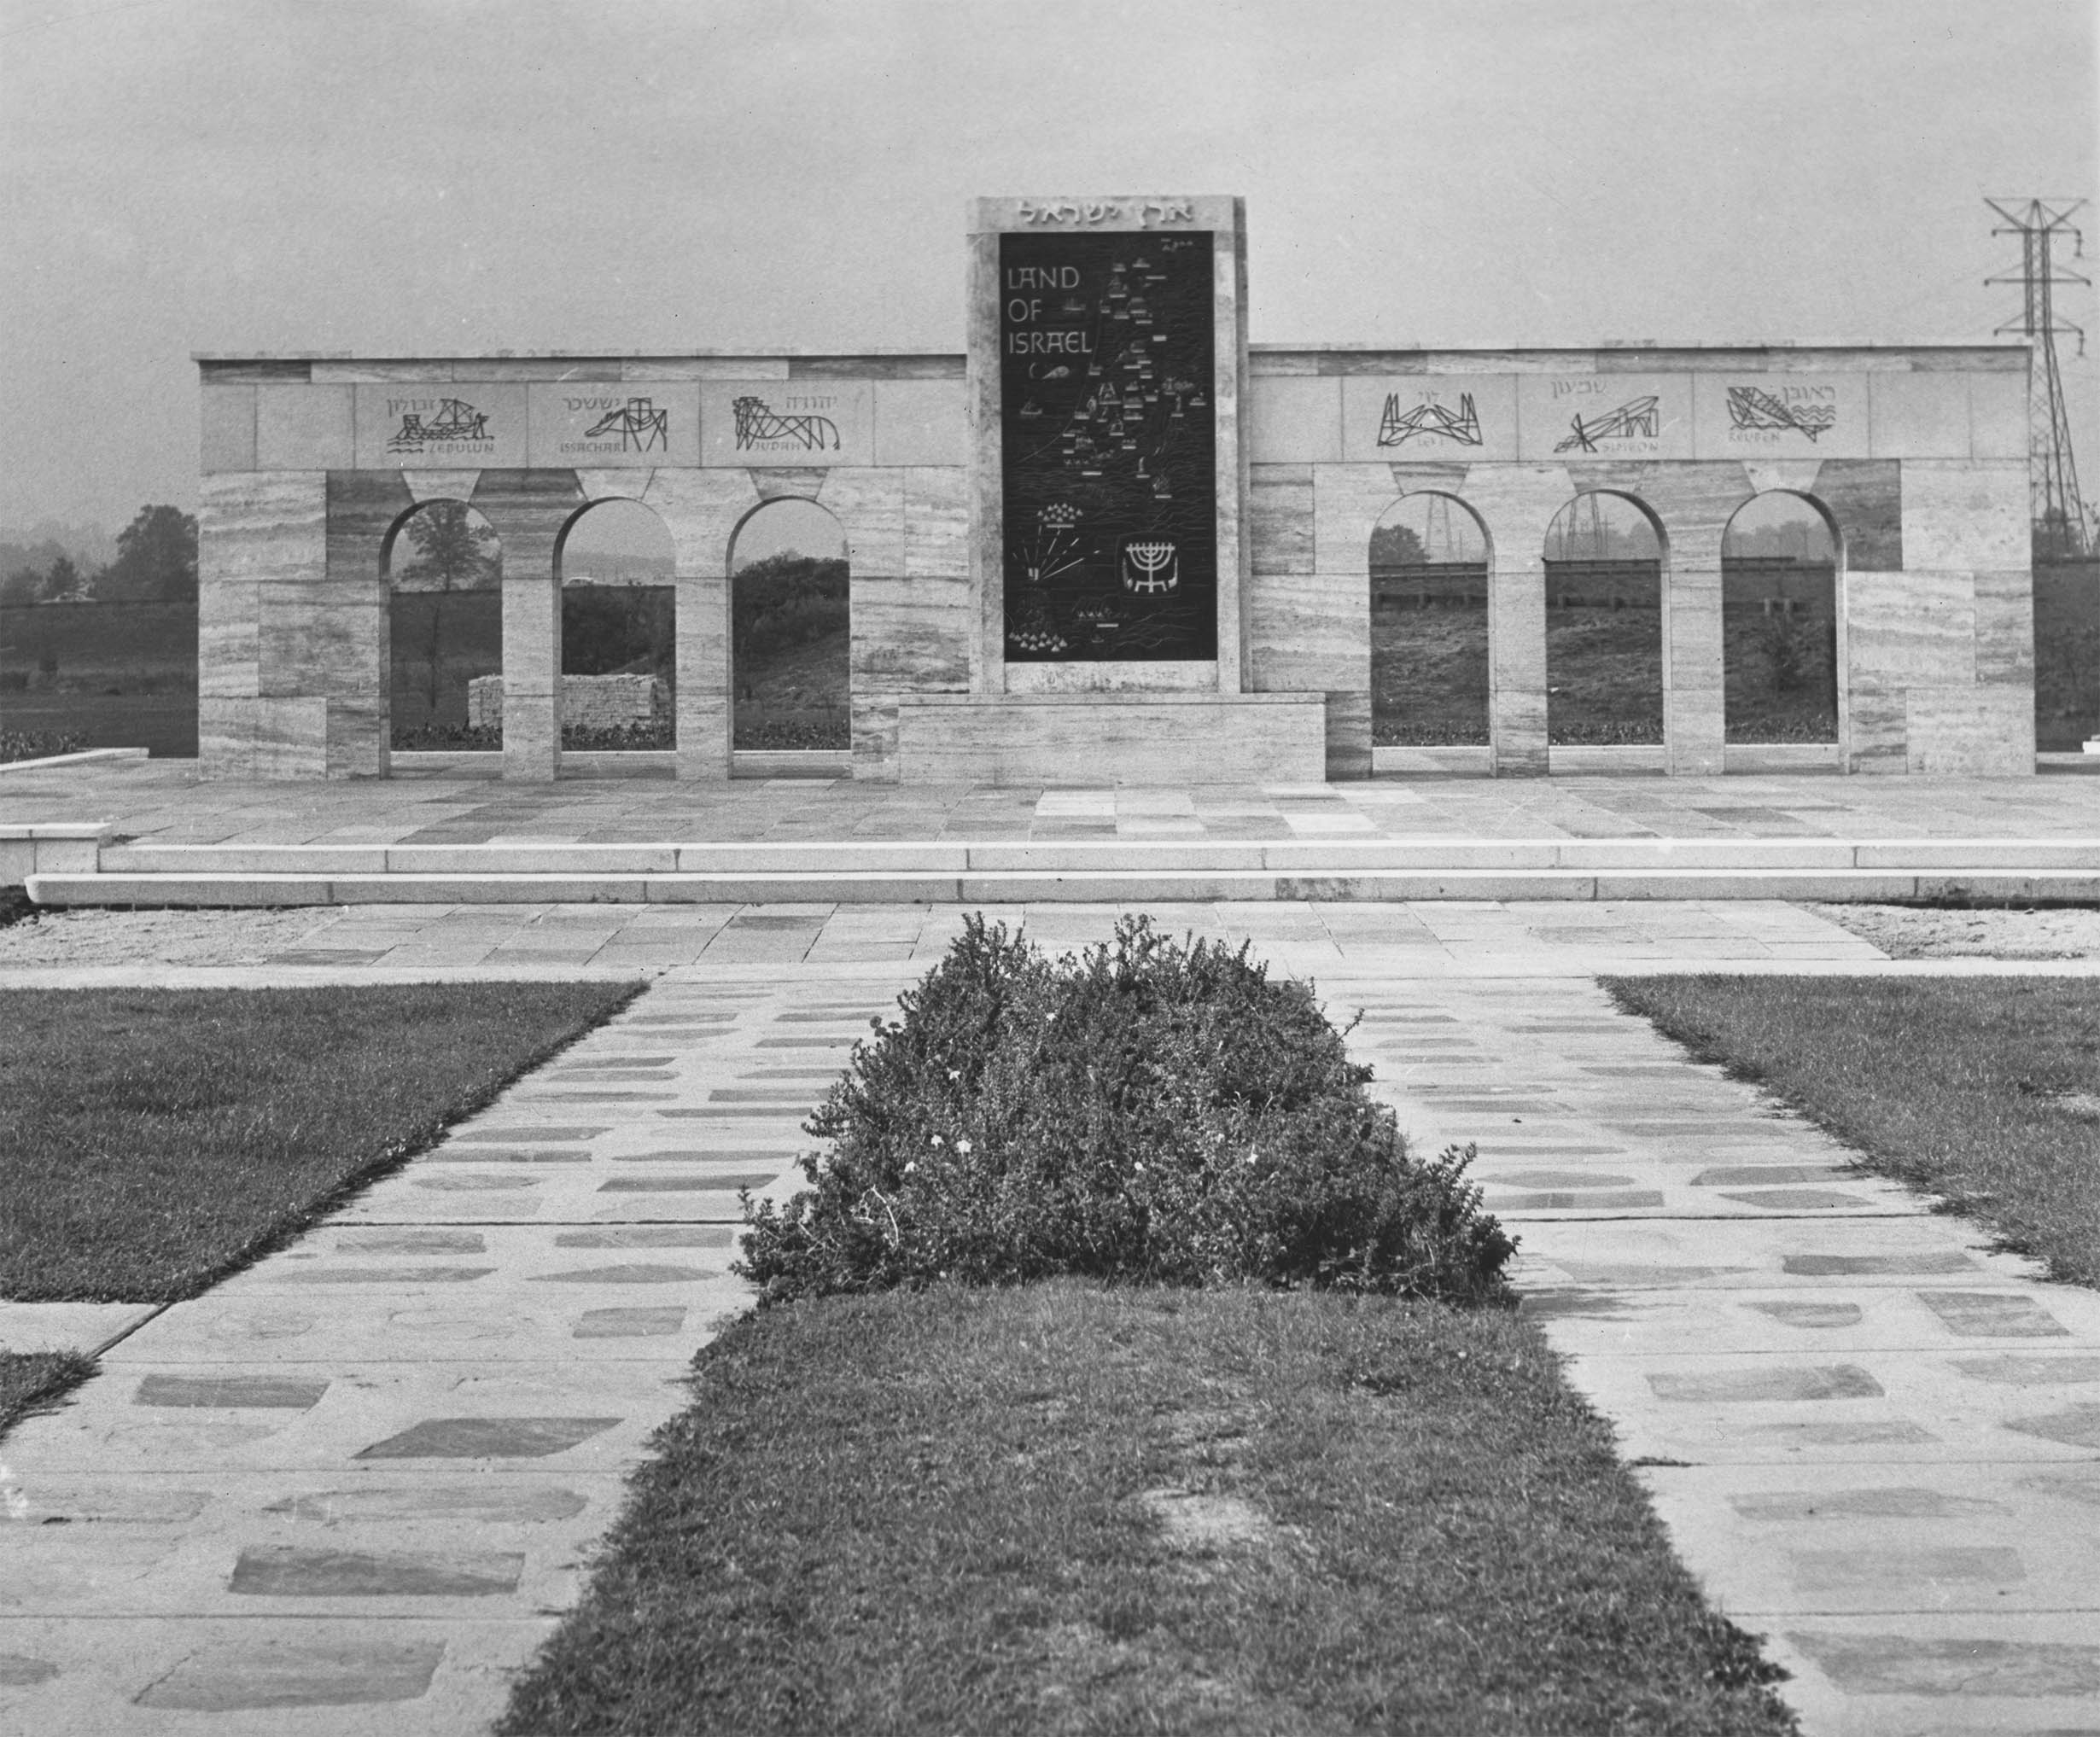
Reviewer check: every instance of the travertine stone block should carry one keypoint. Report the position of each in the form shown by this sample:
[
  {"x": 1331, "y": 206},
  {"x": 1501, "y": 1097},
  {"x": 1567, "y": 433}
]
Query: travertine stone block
[
  {"x": 869, "y": 506},
  {"x": 1177, "y": 675},
  {"x": 1694, "y": 723},
  {"x": 354, "y": 373},
  {"x": 2005, "y": 626},
  {"x": 1919, "y": 415},
  {"x": 1471, "y": 417},
  {"x": 707, "y": 368},
  {"x": 937, "y": 525},
  {"x": 440, "y": 426},
  {"x": 531, "y": 661},
  {"x": 1516, "y": 723},
  {"x": 1691, "y": 502},
  {"x": 441, "y": 485},
  {"x": 1795, "y": 475},
  {"x": 609, "y": 423},
  {"x": 1575, "y": 417},
  {"x": 528, "y": 510},
  {"x": 875, "y": 738},
  {"x": 701, "y": 510},
  {"x": 1966, "y": 515},
  {"x": 365, "y": 508},
  {"x": 1101, "y": 740},
  {"x": 262, "y": 524},
  {"x": 1280, "y": 518},
  {"x": 1873, "y": 728},
  {"x": 1865, "y": 496},
  {"x": 1348, "y": 502},
  {"x": 1295, "y": 420},
  {"x": 226, "y": 440},
  {"x": 1911, "y": 629},
  {"x": 1779, "y": 415},
  {"x": 1348, "y": 734},
  {"x": 921, "y": 422},
  {"x": 304, "y": 428},
  {"x": 291, "y": 737},
  {"x": 1975, "y": 731},
  {"x": 631, "y": 484},
  {"x": 229, "y": 639},
  {"x": 359, "y": 736},
  {"x": 702, "y": 627},
  {"x": 311, "y": 643},
  {"x": 226, "y": 736},
  {"x": 815, "y": 422},
  {"x": 910, "y": 635},
  {"x": 1310, "y": 631},
  {"x": 1997, "y": 416}
]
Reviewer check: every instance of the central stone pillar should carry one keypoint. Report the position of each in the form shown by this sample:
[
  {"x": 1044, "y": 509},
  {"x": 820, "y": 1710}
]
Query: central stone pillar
[{"x": 1108, "y": 553}]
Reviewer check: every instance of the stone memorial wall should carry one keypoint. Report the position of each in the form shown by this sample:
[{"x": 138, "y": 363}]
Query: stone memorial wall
[{"x": 1112, "y": 542}]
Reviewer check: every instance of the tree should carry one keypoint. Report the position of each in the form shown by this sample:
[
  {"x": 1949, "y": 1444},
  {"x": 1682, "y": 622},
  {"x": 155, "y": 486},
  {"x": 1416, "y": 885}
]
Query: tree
[
  {"x": 454, "y": 550},
  {"x": 63, "y": 583},
  {"x": 1396, "y": 545},
  {"x": 156, "y": 558},
  {"x": 21, "y": 586}
]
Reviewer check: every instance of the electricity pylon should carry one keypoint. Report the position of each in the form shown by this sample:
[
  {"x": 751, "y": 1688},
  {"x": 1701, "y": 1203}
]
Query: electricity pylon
[{"x": 2058, "y": 512}]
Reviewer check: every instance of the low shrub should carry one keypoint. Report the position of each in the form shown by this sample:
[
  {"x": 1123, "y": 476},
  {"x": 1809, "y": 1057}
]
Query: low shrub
[
  {"x": 36, "y": 744},
  {"x": 1147, "y": 1112}
]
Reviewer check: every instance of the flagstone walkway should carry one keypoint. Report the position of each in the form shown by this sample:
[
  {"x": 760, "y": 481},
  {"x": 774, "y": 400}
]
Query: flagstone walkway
[{"x": 346, "y": 1490}]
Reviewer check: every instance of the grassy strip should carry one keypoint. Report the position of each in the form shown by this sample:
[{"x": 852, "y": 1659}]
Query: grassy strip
[
  {"x": 31, "y": 1380},
  {"x": 152, "y": 1139},
  {"x": 1985, "y": 1090},
  {"x": 1066, "y": 1507}
]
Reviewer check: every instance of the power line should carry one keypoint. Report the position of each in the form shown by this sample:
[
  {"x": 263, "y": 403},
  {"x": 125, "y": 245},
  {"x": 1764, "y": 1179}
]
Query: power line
[{"x": 2058, "y": 512}]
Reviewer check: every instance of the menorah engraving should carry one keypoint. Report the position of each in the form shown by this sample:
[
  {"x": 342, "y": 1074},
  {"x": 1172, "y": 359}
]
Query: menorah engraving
[{"x": 1150, "y": 567}]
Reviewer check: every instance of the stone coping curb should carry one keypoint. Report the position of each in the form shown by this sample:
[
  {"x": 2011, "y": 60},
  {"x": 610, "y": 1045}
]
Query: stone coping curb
[
  {"x": 1441, "y": 853},
  {"x": 81, "y": 758},
  {"x": 1501, "y": 967},
  {"x": 1134, "y": 883}
]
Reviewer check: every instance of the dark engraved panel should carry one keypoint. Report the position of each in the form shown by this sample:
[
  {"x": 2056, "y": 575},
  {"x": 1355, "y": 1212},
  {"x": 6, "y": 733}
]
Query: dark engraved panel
[{"x": 1108, "y": 447}]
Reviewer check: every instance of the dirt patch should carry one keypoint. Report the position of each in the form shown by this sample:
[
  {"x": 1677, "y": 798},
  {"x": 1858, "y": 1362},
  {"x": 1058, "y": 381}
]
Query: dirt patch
[
  {"x": 1202, "y": 1523},
  {"x": 156, "y": 937},
  {"x": 1904, "y": 932}
]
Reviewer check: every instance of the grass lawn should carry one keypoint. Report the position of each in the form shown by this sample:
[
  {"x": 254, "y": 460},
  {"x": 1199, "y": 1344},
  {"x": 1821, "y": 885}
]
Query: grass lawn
[
  {"x": 153, "y": 1139},
  {"x": 1984, "y": 1090},
  {"x": 30, "y": 1379},
  {"x": 1071, "y": 1508}
]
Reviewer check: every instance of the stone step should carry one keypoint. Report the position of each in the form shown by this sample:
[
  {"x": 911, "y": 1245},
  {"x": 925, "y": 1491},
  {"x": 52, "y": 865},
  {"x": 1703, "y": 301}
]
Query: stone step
[
  {"x": 1145, "y": 856},
  {"x": 1132, "y": 882}
]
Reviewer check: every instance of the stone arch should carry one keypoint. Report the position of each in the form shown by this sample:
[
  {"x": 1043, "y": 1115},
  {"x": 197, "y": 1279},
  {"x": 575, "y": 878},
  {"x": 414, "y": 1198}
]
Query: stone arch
[
  {"x": 441, "y": 563},
  {"x": 1605, "y": 555},
  {"x": 791, "y": 628},
  {"x": 616, "y": 563},
  {"x": 1430, "y": 560},
  {"x": 1781, "y": 558}
]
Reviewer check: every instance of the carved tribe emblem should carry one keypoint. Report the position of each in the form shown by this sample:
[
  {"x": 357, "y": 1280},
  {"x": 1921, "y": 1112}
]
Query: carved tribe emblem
[{"x": 756, "y": 421}]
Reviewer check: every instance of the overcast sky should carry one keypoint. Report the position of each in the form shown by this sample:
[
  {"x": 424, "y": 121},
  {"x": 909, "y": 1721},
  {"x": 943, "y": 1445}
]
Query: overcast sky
[{"x": 400, "y": 176}]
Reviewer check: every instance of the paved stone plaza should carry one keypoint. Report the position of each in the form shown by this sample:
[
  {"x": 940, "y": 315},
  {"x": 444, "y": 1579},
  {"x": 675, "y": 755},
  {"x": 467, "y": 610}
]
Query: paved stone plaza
[
  {"x": 348, "y": 1490},
  {"x": 160, "y": 802},
  {"x": 344, "y": 1490}
]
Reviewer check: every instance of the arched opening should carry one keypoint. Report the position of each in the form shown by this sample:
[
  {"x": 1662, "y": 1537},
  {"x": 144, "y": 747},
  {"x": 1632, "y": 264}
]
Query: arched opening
[
  {"x": 619, "y": 630},
  {"x": 1779, "y": 561},
  {"x": 1429, "y": 625},
  {"x": 444, "y": 568},
  {"x": 791, "y": 650},
  {"x": 1604, "y": 681}
]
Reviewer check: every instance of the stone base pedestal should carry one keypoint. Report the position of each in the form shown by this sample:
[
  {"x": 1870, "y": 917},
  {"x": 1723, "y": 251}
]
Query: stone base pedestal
[{"x": 1106, "y": 739}]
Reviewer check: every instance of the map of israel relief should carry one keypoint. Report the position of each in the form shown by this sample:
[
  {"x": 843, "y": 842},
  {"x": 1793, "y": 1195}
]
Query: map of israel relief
[{"x": 1109, "y": 447}]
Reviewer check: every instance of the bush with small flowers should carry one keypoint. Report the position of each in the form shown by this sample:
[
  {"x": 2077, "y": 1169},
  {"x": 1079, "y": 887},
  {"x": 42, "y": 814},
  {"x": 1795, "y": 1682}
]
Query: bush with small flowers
[{"x": 1146, "y": 1110}]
